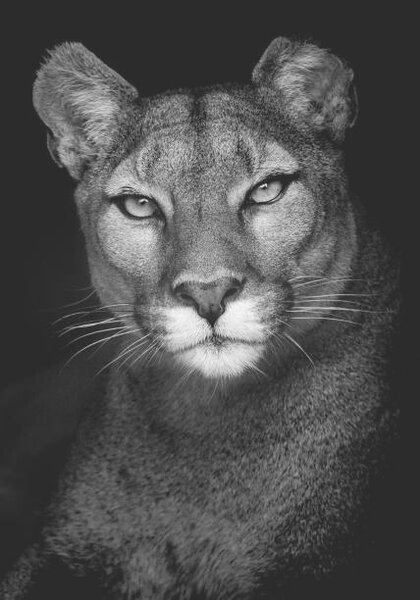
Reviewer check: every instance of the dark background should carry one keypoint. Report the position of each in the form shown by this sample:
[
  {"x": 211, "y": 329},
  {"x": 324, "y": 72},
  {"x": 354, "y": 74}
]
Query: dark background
[
  {"x": 42, "y": 262},
  {"x": 43, "y": 265}
]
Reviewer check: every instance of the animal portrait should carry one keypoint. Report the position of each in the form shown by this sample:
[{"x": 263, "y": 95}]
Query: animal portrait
[{"x": 223, "y": 425}]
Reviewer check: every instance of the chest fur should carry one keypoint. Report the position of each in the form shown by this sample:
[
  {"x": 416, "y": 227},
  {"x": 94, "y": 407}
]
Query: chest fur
[{"x": 275, "y": 480}]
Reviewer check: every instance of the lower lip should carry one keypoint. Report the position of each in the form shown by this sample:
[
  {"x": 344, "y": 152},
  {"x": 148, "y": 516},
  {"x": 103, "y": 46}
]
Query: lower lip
[{"x": 217, "y": 344}]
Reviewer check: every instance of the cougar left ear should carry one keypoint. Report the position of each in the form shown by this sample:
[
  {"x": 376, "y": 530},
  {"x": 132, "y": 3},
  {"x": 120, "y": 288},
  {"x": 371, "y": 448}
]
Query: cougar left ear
[{"x": 316, "y": 88}]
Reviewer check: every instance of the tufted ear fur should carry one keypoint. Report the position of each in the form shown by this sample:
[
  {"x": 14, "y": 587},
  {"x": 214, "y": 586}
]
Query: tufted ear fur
[
  {"x": 316, "y": 87},
  {"x": 81, "y": 101}
]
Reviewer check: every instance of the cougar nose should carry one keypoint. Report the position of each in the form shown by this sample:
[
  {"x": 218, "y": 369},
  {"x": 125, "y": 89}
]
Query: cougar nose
[{"x": 208, "y": 298}]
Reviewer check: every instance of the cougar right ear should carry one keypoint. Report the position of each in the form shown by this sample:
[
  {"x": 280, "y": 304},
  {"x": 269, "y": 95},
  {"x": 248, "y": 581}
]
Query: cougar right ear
[
  {"x": 82, "y": 102},
  {"x": 315, "y": 87}
]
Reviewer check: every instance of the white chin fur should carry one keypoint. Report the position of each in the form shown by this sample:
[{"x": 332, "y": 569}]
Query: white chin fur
[
  {"x": 229, "y": 360},
  {"x": 241, "y": 321}
]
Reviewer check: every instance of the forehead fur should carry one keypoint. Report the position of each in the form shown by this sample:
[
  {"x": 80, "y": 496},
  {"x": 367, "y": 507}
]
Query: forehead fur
[
  {"x": 200, "y": 129},
  {"x": 195, "y": 108},
  {"x": 189, "y": 154}
]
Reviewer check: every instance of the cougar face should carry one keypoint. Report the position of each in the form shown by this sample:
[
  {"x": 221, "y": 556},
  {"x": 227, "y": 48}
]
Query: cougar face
[
  {"x": 201, "y": 230},
  {"x": 206, "y": 211}
]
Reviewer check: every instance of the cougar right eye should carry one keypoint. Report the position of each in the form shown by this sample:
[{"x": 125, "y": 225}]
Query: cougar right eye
[{"x": 136, "y": 207}]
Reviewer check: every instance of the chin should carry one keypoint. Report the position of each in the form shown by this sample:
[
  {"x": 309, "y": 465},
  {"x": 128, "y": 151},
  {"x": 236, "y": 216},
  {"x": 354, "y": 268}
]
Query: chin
[{"x": 227, "y": 360}]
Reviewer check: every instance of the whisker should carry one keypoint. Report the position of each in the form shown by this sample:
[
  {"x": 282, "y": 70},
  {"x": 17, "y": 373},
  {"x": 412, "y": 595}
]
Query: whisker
[
  {"x": 338, "y": 295},
  {"x": 127, "y": 332},
  {"x": 123, "y": 353},
  {"x": 70, "y": 304},
  {"x": 282, "y": 322},
  {"x": 159, "y": 344},
  {"x": 183, "y": 379},
  {"x": 70, "y": 328},
  {"x": 132, "y": 349},
  {"x": 293, "y": 341},
  {"x": 276, "y": 322},
  {"x": 275, "y": 342},
  {"x": 325, "y": 319},
  {"x": 106, "y": 306},
  {"x": 101, "y": 341},
  {"x": 137, "y": 358},
  {"x": 79, "y": 289},
  {"x": 81, "y": 337},
  {"x": 254, "y": 367},
  {"x": 214, "y": 390},
  {"x": 318, "y": 300},
  {"x": 68, "y": 316},
  {"x": 326, "y": 279},
  {"x": 336, "y": 308},
  {"x": 157, "y": 348},
  {"x": 303, "y": 277},
  {"x": 90, "y": 311}
]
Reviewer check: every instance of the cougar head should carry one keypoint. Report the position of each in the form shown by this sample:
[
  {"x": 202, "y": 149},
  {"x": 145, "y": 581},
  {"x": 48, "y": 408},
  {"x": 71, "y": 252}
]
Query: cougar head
[{"x": 207, "y": 211}]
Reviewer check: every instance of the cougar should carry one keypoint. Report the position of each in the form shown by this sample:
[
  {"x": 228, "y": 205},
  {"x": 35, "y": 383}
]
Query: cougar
[{"x": 229, "y": 447}]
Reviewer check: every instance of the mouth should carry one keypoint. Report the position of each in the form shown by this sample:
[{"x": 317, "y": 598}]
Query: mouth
[
  {"x": 220, "y": 357},
  {"x": 217, "y": 342}
]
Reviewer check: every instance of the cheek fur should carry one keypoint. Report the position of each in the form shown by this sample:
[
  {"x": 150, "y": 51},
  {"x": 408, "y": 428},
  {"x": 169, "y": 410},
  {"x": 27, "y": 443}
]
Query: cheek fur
[
  {"x": 133, "y": 249},
  {"x": 282, "y": 229}
]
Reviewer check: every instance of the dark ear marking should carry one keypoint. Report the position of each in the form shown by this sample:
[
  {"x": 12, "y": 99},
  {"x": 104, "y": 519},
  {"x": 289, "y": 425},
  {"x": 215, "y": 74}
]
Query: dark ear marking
[
  {"x": 315, "y": 87},
  {"x": 82, "y": 102}
]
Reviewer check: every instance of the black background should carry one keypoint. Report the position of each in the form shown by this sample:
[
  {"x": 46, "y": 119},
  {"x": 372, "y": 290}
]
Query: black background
[{"x": 42, "y": 258}]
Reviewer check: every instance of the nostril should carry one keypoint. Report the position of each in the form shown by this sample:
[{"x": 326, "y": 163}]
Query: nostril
[
  {"x": 231, "y": 292},
  {"x": 186, "y": 298},
  {"x": 234, "y": 287}
]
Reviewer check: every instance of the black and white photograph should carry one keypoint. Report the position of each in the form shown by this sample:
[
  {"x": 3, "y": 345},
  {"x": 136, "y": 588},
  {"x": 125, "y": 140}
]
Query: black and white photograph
[{"x": 202, "y": 376}]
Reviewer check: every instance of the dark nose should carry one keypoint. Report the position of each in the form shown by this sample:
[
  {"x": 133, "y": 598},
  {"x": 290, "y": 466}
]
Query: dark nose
[{"x": 208, "y": 298}]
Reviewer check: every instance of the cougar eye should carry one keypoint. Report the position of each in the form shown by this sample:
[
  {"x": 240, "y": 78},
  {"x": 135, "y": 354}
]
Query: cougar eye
[
  {"x": 266, "y": 191},
  {"x": 270, "y": 190},
  {"x": 136, "y": 207}
]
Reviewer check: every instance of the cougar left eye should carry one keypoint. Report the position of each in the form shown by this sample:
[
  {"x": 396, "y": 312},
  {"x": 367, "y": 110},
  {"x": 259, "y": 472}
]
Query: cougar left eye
[
  {"x": 137, "y": 207},
  {"x": 270, "y": 190}
]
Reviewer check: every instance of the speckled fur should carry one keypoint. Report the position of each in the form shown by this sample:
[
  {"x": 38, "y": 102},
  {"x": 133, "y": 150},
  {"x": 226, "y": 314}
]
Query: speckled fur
[{"x": 184, "y": 490}]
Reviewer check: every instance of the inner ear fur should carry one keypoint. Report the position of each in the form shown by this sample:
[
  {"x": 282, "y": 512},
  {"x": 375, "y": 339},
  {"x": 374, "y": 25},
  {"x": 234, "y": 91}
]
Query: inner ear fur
[
  {"x": 81, "y": 101},
  {"x": 315, "y": 86}
]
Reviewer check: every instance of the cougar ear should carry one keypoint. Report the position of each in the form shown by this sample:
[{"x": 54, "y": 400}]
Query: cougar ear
[
  {"x": 315, "y": 86},
  {"x": 81, "y": 101}
]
